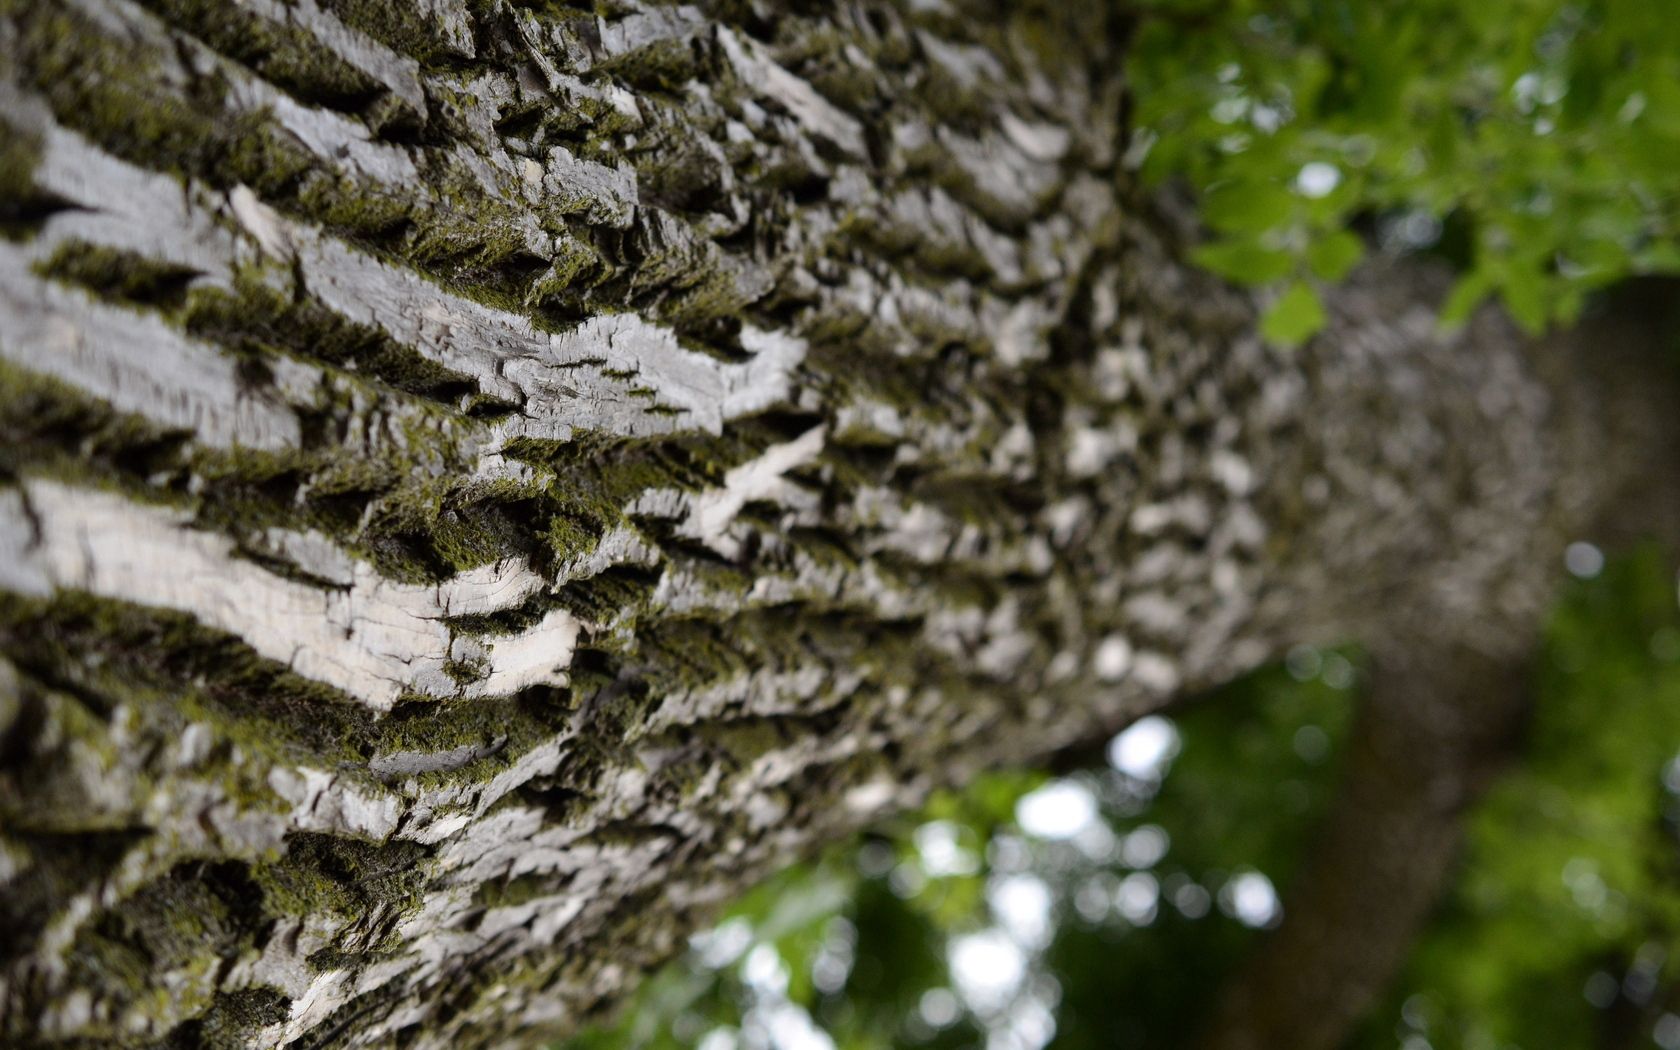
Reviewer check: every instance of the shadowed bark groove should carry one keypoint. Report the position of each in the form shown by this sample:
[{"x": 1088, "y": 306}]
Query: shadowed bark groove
[{"x": 481, "y": 482}]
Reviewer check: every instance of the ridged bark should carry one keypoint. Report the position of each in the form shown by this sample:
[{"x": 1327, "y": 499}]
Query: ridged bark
[{"x": 483, "y": 481}]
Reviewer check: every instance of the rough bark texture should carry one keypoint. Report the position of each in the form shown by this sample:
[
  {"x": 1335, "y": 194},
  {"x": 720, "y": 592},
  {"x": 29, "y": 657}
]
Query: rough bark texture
[{"x": 482, "y": 481}]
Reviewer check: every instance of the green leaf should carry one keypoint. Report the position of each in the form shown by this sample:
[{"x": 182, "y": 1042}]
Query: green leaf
[
  {"x": 1334, "y": 254},
  {"x": 1294, "y": 317},
  {"x": 1244, "y": 261},
  {"x": 1247, "y": 207},
  {"x": 1465, "y": 296},
  {"x": 1524, "y": 293}
]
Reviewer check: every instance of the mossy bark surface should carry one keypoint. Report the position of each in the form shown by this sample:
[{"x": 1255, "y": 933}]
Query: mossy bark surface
[{"x": 482, "y": 481}]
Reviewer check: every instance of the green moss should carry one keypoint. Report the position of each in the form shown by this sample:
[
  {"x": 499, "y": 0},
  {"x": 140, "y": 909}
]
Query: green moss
[
  {"x": 429, "y": 725},
  {"x": 199, "y": 913},
  {"x": 613, "y": 592},
  {"x": 231, "y": 1020},
  {"x": 367, "y": 216},
  {"x": 466, "y": 672},
  {"x": 829, "y": 548},
  {"x": 403, "y": 26},
  {"x": 45, "y": 791},
  {"x": 290, "y": 57},
  {"x": 110, "y": 92},
  {"x": 594, "y": 668},
  {"x": 257, "y": 319},
  {"x": 665, "y": 66},
  {"x": 511, "y": 893},
  {"x": 344, "y": 876},
  {"x": 503, "y": 621},
  {"x": 572, "y": 263},
  {"x": 60, "y": 866},
  {"x": 623, "y": 717},
  {"x": 747, "y": 739},
  {"x": 115, "y": 649},
  {"x": 22, "y": 204},
  {"x": 50, "y": 427},
  {"x": 116, "y": 274}
]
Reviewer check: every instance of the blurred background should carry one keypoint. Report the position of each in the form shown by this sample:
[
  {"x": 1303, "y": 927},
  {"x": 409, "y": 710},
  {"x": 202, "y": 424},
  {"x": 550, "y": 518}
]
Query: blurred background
[{"x": 1102, "y": 906}]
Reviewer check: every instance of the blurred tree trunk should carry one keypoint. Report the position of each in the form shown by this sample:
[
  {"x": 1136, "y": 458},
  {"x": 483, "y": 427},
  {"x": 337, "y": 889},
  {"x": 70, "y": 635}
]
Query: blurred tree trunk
[
  {"x": 1435, "y": 729},
  {"x": 484, "y": 481}
]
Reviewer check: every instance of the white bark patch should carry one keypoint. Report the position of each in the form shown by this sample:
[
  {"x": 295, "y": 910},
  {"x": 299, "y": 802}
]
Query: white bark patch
[
  {"x": 322, "y": 801},
  {"x": 140, "y": 364},
  {"x": 119, "y": 205},
  {"x": 1113, "y": 658},
  {"x": 538, "y": 655},
  {"x": 601, "y": 193},
  {"x": 708, "y": 515},
  {"x": 263, "y": 223},
  {"x": 869, "y": 797},
  {"x": 616, "y": 373},
  {"x": 452, "y": 21},
  {"x": 643, "y": 29},
  {"x": 1042, "y": 142},
  {"x": 711, "y": 512},
  {"x": 374, "y": 639},
  {"x": 1156, "y": 671},
  {"x": 394, "y": 764},
  {"x": 326, "y": 993},
  {"x": 819, "y": 116}
]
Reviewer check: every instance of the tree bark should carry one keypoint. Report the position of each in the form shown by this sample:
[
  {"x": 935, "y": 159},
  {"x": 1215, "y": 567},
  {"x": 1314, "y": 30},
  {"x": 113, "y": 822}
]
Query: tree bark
[{"x": 482, "y": 482}]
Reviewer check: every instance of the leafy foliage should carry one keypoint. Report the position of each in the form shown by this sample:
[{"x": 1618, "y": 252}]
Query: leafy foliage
[{"x": 1532, "y": 142}]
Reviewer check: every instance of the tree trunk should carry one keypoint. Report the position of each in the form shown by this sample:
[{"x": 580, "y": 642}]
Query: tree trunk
[{"x": 484, "y": 481}]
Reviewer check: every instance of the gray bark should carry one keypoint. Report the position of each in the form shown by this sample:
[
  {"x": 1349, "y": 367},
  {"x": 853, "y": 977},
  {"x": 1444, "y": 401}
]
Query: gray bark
[{"x": 484, "y": 481}]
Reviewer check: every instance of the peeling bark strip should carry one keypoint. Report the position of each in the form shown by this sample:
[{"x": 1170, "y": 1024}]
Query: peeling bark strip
[{"x": 482, "y": 482}]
